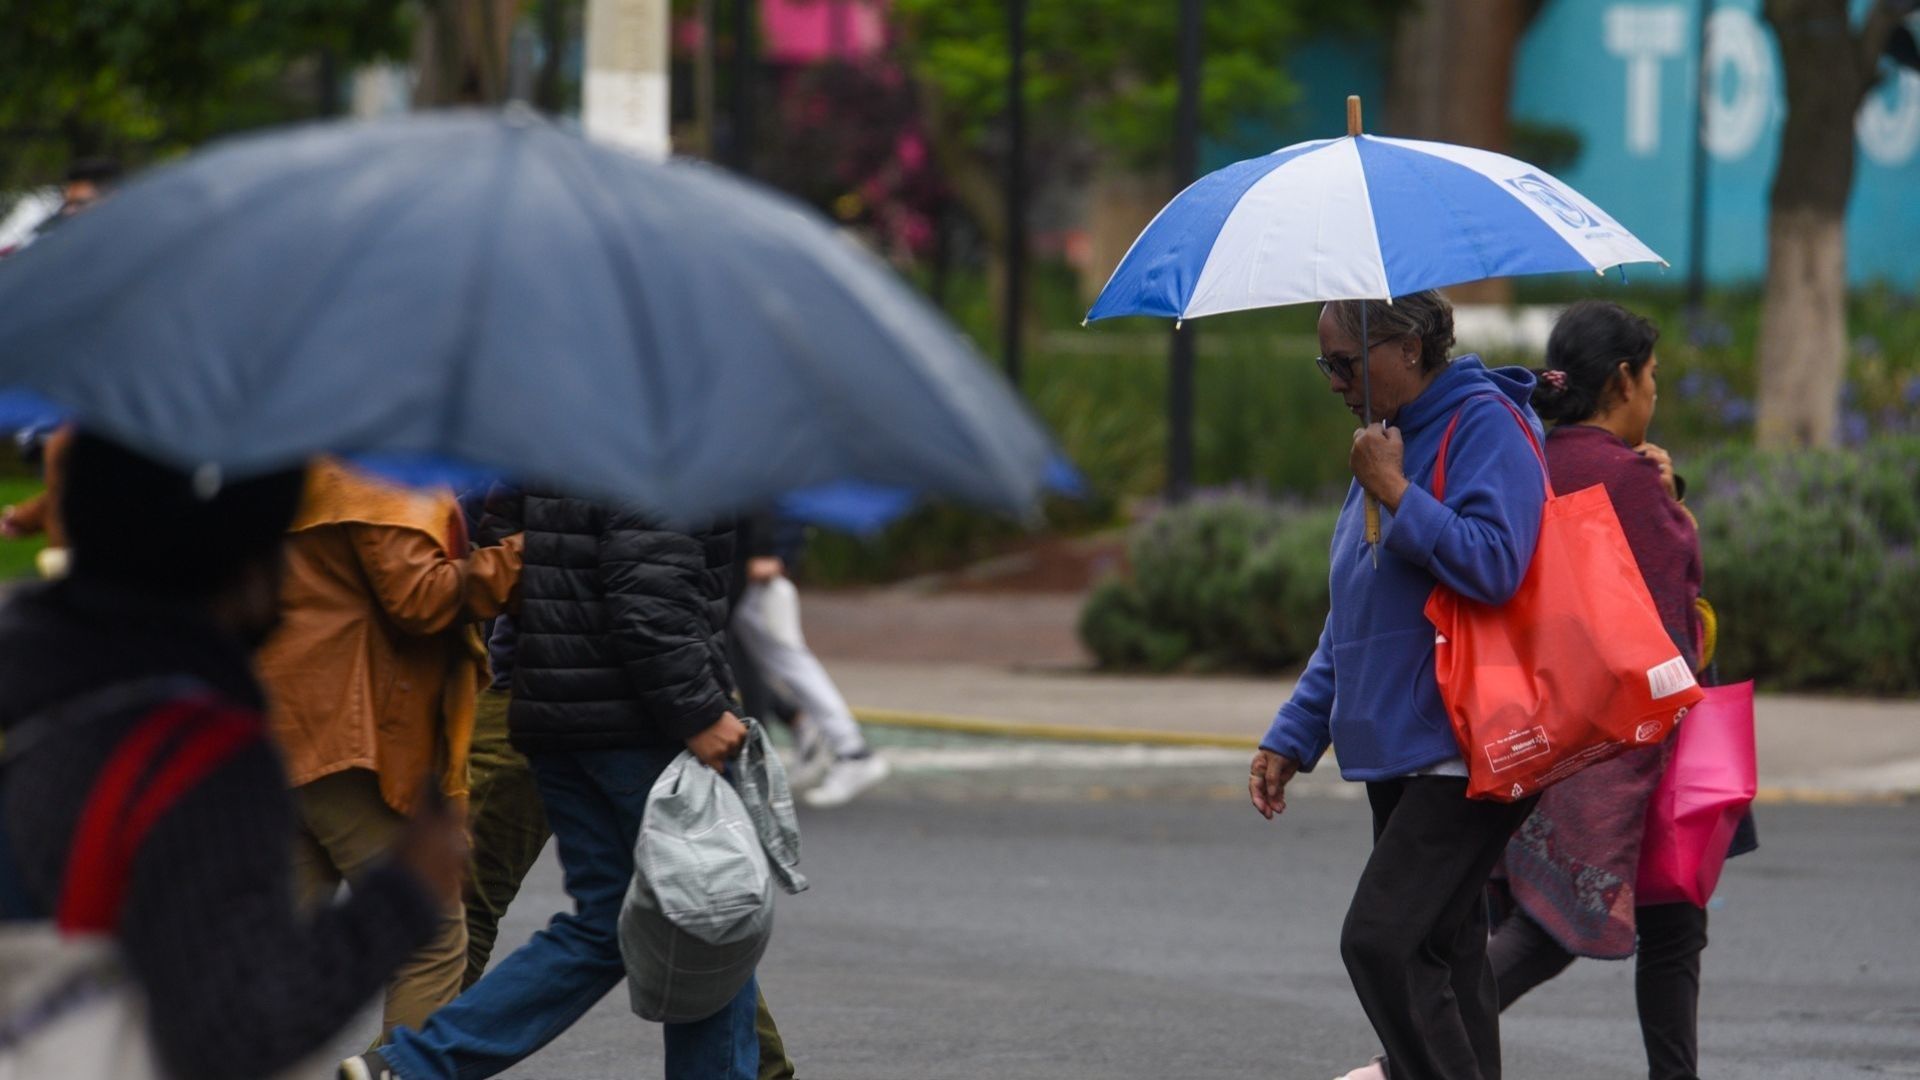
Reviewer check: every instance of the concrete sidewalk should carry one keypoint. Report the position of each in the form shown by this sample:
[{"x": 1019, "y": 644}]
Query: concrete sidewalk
[
  {"x": 1811, "y": 749},
  {"x": 1010, "y": 664}
]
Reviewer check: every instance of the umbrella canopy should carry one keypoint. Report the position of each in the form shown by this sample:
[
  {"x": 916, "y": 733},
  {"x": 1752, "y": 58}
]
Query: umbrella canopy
[
  {"x": 489, "y": 289},
  {"x": 1358, "y": 218}
]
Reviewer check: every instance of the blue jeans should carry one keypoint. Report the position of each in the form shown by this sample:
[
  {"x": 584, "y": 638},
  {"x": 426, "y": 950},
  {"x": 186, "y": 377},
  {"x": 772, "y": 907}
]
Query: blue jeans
[{"x": 594, "y": 800}]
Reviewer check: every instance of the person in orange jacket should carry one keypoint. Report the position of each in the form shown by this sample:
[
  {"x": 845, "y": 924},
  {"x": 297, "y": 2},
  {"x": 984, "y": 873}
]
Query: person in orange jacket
[{"x": 373, "y": 675}]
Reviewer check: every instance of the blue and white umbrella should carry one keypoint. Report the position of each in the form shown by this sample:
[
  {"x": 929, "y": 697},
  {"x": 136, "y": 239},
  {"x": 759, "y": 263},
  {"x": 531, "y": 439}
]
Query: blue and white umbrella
[{"x": 1358, "y": 218}]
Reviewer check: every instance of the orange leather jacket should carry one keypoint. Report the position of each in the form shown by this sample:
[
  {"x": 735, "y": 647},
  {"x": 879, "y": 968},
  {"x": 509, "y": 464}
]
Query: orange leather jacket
[{"x": 378, "y": 662}]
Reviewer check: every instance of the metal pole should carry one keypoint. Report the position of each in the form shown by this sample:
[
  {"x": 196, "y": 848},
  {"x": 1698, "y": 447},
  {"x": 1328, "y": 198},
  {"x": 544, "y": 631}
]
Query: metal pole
[
  {"x": 1697, "y": 195},
  {"x": 740, "y": 146},
  {"x": 1016, "y": 194},
  {"x": 1354, "y": 130},
  {"x": 706, "y": 116},
  {"x": 553, "y": 42},
  {"x": 1186, "y": 168}
]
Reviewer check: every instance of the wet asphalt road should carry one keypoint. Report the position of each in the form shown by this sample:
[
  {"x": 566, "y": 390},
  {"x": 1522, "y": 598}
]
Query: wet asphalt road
[{"x": 1137, "y": 921}]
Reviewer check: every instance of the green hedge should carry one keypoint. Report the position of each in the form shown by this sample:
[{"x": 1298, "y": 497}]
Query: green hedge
[
  {"x": 1811, "y": 562},
  {"x": 1225, "y": 583}
]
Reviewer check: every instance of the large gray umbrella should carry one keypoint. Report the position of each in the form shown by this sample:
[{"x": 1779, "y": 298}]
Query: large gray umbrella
[{"x": 492, "y": 290}]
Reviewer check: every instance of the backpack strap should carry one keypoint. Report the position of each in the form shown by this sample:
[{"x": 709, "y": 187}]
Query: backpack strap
[
  {"x": 168, "y": 752},
  {"x": 1446, "y": 441}
]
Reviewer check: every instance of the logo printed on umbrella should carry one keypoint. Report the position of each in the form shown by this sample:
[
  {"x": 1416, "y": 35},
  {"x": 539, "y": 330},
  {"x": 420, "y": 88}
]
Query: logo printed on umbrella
[{"x": 1543, "y": 191}]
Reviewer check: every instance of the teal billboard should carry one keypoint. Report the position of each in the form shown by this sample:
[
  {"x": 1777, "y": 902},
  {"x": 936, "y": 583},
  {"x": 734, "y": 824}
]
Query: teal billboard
[{"x": 1624, "y": 76}]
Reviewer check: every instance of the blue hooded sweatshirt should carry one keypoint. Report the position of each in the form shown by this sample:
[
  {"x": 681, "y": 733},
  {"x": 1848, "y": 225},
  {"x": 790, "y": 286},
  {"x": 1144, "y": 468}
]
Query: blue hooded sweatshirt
[{"x": 1370, "y": 686}]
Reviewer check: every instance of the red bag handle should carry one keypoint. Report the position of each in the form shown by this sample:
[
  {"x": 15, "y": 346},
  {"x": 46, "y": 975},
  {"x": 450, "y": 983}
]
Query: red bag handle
[
  {"x": 1446, "y": 440},
  {"x": 121, "y": 809}
]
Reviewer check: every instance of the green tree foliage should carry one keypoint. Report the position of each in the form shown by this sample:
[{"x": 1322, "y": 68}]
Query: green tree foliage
[
  {"x": 1221, "y": 583},
  {"x": 142, "y": 78},
  {"x": 1108, "y": 70}
]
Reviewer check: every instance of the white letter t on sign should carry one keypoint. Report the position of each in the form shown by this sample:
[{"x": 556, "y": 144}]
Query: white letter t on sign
[{"x": 1643, "y": 36}]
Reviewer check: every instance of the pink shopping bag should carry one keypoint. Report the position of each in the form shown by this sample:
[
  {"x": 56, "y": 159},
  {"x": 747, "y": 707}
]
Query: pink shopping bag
[{"x": 1706, "y": 789}]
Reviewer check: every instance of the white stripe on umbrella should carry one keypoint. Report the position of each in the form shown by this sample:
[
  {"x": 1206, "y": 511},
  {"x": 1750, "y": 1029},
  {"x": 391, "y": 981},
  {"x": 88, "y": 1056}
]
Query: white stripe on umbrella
[{"x": 1303, "y": 232}]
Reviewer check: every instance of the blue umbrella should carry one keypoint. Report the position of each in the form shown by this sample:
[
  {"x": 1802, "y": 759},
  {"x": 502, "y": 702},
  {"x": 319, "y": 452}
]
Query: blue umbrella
[
  {"x": 487, "y": 290},
  {"x": 865, "y": 509}
]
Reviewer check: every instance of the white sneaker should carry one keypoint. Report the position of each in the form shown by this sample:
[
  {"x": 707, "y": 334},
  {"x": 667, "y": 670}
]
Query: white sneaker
[
  {"x": 367, "y": 1066},
  {"x": 846, "y": 780},
  {"x": 812, "y": 761}
]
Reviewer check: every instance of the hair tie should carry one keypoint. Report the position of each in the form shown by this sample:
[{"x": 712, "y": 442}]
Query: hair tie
[{"x": 1554, "y": 378}]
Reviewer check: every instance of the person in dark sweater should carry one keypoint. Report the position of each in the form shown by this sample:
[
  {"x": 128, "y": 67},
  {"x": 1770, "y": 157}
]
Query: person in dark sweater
[
  {"x": 619, "y": 663},
  {"x": 1570, "y": 871},
  {"x": 172, "y": 582}
]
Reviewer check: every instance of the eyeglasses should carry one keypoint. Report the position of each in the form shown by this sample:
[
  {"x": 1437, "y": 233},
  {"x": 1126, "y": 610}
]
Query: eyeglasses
[{"x": 1342, "y": 366}]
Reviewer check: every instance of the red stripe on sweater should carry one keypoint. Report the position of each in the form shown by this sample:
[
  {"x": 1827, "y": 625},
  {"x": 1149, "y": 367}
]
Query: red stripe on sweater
[{"x": 117, "y": 817}]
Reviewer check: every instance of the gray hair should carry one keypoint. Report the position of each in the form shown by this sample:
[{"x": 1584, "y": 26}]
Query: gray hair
[{"x": 1424, "y": 315}]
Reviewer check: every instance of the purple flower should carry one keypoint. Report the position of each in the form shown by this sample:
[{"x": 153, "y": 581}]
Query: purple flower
[{"x": 1854, "y": 428}]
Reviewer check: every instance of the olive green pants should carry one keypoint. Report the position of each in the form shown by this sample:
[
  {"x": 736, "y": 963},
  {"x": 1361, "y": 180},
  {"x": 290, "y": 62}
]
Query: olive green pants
[{"x": 345, "y": 830}]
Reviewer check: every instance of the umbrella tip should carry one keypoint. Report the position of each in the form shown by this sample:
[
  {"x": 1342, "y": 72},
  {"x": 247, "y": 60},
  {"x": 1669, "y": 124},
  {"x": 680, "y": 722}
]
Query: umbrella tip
[
  {"x": 1353, "y": 114},
  {"x": 1084, "y": 320}
]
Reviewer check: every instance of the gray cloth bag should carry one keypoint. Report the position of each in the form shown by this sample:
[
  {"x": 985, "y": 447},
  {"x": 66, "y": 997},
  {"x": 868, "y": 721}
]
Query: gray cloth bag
[{"x": 699, "y": 912}]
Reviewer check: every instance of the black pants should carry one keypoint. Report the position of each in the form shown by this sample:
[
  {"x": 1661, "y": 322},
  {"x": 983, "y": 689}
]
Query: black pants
[
  {"x": 1415, "y": 940},
  {"x": 1666, "y": 980}
]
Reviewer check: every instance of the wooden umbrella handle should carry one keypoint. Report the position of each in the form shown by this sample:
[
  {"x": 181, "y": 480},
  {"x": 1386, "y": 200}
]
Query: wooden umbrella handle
[{"x": 1373, "y": 504}]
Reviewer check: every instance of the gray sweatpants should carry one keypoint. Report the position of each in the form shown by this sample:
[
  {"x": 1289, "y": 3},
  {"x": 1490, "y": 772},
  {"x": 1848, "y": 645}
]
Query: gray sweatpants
[{"x": 768, "y": 622}]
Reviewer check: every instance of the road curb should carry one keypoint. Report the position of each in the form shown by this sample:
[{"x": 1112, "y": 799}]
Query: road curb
[
  {"x": 1022, "y": 729},
  {"x": 994, "y": 727}
]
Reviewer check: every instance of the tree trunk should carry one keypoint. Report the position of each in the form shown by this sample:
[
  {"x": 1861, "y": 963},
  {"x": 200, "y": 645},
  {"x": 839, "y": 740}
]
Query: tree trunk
[
  {"x": 975, "y": 181},
  {"x": 1119, "y": 206},
  {"x": 1431, "y": 94},
  {"x": 461, "y": 52},
  {"x": 1803, "y": 328},
  {"x": 1803, "y": 331}
]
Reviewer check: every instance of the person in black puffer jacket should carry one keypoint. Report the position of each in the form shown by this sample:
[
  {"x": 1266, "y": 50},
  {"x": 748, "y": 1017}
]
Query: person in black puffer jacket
[
  {"x": 619, "y": 663},
  {"x": 622, "y": 627}
]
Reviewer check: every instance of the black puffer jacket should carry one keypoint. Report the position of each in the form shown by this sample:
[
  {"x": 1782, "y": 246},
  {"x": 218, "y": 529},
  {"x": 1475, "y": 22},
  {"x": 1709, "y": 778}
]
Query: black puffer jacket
[{"x": 621, "y": 626}]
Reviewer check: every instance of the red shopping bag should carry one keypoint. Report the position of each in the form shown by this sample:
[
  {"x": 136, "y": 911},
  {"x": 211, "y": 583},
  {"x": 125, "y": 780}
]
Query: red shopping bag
[
  {"x": 1576, "y": 668},
  {"x": 1705, "y": 791}
]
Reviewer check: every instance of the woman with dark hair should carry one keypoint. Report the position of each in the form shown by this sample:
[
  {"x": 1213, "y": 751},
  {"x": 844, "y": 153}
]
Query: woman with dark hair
[
  {"x": 1570, "y": 869},
  {"x": 1415, "y": 940}
]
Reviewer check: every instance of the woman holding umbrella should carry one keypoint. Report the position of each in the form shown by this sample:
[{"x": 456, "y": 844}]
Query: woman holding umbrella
[{"x": 1415, "y": 941}]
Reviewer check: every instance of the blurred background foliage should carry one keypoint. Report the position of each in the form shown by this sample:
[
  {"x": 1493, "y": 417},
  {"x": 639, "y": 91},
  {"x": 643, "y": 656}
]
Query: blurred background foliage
[{"x": 1809, "y": 553}]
